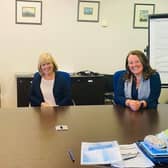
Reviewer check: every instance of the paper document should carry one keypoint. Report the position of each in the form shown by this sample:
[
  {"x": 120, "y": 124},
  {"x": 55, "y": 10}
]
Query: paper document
[
  {"x": 133, "y": 157},
  {"x": 100, "y": 153}
]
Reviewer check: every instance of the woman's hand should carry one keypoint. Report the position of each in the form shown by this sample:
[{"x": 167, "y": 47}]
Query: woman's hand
[
  {"x": 134, "y": 105},
  {"x": 143, "y": 103},
  {"x": 44, "y": 104}
]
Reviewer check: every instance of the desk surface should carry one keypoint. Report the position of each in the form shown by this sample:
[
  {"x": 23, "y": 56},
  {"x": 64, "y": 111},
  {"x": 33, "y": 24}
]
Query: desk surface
[{"x": 28, "y": 138}]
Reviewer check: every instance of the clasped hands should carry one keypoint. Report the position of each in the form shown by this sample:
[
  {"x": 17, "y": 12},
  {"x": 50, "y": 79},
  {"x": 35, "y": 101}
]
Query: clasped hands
[
  {"x": 45, "y": 104},
  {"x": 135, "y": 105}
]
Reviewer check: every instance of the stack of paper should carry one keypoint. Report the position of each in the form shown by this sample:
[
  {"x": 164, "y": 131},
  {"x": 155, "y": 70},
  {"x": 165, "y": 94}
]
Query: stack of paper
[
  {"x": 113, "y": 155},
  {"x": 133, "y": 157}
]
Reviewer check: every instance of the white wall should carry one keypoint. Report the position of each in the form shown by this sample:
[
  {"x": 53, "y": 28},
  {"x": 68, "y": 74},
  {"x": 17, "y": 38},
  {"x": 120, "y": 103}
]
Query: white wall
[{"x": 76, "y": 45}]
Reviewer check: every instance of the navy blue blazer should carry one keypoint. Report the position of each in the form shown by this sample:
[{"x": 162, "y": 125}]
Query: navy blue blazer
[
  {"x": 61, "y": 89},
  {"x": 155, "y": 89}
]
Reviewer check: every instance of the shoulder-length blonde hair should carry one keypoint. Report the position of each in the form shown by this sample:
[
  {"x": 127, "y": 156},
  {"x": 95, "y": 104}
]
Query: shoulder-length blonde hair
[{"x": 46, "y": 58}]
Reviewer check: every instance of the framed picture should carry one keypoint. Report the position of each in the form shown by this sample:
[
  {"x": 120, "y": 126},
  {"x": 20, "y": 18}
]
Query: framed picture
[
  {"x": 141, "y": 13},
  {"x": 28, "y": 12},
  {"x": 88, "y": 11}
]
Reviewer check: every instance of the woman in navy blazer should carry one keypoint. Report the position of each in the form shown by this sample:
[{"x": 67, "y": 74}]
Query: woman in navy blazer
[
  {"x": 140, "y": 85},
  {"x": 50, "y": 87}
]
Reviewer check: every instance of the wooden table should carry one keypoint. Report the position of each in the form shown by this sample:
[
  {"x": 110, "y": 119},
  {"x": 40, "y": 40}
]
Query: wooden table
[{"x": 28, "y": 138}]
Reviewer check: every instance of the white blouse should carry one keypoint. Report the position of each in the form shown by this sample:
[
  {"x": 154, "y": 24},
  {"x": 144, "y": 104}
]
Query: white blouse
[{"x": 47, "y": 91}]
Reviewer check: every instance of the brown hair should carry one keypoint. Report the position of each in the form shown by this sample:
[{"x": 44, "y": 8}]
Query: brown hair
[
  {"x": 147, "y": 70},
  {"x": 46, "y": 58}
]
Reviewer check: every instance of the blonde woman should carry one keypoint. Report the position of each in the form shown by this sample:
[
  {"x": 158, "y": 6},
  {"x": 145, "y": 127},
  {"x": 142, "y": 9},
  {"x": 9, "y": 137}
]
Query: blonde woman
[{"x": 50, "y": 87}]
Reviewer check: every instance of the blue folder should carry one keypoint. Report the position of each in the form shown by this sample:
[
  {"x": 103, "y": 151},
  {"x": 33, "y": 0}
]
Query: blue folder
[{"x": 158, "y": 156}]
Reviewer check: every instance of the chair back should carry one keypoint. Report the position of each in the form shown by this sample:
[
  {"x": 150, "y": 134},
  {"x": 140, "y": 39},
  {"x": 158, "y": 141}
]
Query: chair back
[{"x": 116, "y": 78}]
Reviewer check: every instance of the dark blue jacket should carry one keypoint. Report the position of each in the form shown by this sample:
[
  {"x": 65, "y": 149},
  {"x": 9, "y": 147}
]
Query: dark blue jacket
[
  {"x": 152, "y": 100},
  {"x": 61, "y": 89}
]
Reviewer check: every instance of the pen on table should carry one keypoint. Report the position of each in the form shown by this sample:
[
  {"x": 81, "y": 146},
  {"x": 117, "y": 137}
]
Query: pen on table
[
  {"x": 130, "y": 157},
  {"x": 71, "y": 155}
]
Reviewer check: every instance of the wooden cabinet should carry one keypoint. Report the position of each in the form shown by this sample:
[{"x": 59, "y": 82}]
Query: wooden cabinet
[{"x": 88, "y": 90}]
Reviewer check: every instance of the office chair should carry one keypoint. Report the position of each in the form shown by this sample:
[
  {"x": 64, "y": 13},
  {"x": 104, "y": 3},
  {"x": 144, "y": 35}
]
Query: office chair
[
  {"x": 116, "y": 78},
  {"x": 87, "y": 90},
  {"x": 108, "y": 88}
]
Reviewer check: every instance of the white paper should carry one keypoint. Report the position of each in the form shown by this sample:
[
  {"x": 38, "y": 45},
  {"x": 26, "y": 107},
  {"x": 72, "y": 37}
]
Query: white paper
[
  {"x": 140, "y": 161},
  {"x": 100, "y": 153}
]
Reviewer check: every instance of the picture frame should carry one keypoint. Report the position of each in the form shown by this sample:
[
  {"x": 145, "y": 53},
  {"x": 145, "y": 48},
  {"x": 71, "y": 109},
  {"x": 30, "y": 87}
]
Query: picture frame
[
  {"x": 141, "y": 13},
  {"x": 28, "y": 12},
  {"x": 88, "y": 11}
]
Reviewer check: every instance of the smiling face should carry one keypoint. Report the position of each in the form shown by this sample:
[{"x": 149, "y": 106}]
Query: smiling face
[
  {"x": 47, "y": 65},
  {"x": 135, "y": 65},
  {"x": 47, "y": 68}
]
